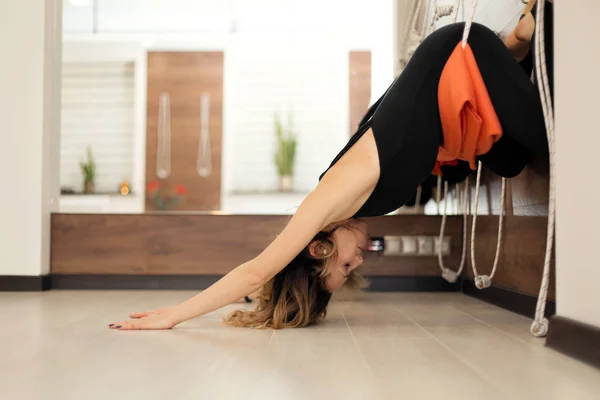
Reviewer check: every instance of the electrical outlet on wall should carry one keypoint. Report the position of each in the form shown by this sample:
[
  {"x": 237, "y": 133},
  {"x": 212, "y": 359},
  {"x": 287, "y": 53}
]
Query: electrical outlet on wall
[
  {"x": 409, "y": 245},
  {"x": 445, "y": 245},
  {"x": 392, "y": 246},
  {"x": 425, "y": 245}
]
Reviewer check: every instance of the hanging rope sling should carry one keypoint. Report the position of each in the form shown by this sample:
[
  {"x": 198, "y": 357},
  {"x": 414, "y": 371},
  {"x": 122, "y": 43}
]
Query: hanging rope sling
[{"x": 539, "y": 327}]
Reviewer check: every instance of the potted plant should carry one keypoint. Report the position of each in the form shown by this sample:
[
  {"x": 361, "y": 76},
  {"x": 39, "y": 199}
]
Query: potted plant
[
  {"x": 285, "y": 154},
  {"x": 163, "y": 198},
  {"x": 88, "y": 170}
]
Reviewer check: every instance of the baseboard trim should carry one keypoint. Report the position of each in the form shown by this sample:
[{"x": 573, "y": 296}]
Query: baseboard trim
[
  {"x": 517, "y": 302},
  {"x": 11, "y": 283},
  {"x": 133, "y": 282},
  {"x": 574, "y": 339},
  {"x": 199, "y": 282}
]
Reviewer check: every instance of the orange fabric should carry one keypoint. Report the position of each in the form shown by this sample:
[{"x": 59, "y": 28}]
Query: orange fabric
[
  {"x": 469, "y": 122},
  {"x": 437, "y": 170}
]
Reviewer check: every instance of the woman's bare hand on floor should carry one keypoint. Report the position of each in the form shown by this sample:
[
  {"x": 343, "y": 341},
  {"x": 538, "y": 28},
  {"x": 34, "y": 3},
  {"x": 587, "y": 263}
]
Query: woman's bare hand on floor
[{"x": 148, "y": 320}]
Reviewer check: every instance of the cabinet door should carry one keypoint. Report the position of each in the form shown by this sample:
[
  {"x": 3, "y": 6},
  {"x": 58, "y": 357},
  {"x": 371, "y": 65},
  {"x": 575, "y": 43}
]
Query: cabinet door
[{"x": 185, "y": 77}]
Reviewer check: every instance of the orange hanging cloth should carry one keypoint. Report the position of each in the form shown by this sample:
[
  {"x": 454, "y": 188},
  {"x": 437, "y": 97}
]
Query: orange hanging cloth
[{"x": 469, "y": 122}]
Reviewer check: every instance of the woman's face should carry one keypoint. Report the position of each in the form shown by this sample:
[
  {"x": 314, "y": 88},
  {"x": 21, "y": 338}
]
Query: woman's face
[{"x": 351, "y": 241}]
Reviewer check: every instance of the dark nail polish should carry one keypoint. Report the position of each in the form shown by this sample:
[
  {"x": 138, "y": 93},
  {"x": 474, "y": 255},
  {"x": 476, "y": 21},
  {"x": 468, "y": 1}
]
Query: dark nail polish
[
  {"x": 111, "y": 324},
  {"x": 118, "y": 326}
]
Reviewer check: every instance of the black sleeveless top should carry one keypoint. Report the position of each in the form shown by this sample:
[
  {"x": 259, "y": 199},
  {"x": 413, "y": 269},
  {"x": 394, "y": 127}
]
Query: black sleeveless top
[{"x": 406, "y": 124}]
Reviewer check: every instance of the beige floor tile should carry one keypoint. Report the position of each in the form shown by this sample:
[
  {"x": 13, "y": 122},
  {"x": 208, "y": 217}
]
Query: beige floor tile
[
  {"x": 406, "y": 359},
  {"x": 510, "y": 323},
  {"x": 526, "y": 370},
  {"x": 319, "y": 362},
  {"x": 56, "y": 345},
  {"x": 378, "y": 318}
]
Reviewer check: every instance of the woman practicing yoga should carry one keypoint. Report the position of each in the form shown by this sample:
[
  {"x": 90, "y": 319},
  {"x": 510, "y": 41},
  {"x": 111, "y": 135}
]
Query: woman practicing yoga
[{"x": 451, "y": 103}]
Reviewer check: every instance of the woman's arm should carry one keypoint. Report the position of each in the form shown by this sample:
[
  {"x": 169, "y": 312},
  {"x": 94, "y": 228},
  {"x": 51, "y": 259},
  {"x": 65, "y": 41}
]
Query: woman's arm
[
  {"x": 321, "y": 208},
  {"x": 518, "y": 41},
  {"x": 341, "y": 192}
]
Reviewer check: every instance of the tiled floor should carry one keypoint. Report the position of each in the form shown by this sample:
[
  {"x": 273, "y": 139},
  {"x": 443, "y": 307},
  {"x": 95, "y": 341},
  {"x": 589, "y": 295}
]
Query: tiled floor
[{"x": 55, "y": 345}]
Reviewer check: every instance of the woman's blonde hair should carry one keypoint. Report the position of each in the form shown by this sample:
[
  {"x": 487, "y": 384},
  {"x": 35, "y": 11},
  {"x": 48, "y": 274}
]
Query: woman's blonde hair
[{"x": 296, "y": 297}]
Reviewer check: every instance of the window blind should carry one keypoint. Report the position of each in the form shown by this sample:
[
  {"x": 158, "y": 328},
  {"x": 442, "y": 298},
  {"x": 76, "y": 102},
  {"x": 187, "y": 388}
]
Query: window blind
[{"x": 97, "y": 112}]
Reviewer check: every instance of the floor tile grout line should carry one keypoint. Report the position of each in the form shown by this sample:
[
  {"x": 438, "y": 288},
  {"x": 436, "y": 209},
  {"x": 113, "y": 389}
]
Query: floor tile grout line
[
  {"x": 269, "y": 343},
  {"x": 466, "y": 363},
  {"x": 360, "y": 351},
  {"x": 353, "y": 337},
  {"x": 491, "y": 326}
]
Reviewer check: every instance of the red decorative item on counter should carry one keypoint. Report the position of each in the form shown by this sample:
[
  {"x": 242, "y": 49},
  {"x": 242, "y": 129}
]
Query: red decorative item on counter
[
  {"x": 180, "y": 190},
  {"x": 153, "y": 186},
  {"x": 163, "y": 198}
]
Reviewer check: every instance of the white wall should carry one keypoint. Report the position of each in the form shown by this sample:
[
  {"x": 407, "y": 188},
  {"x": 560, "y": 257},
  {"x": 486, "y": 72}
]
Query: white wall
[
  {"x": 278, "y": 53},
  {"x": 118, "y": 16},
  {"x": 307, "y": 77},
  {"x": 28, "y": 155},
  {"x": 577, "y": 87},
  {"x": 361, "y": 24}
]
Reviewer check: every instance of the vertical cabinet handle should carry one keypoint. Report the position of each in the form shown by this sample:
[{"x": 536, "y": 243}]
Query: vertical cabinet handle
[
  {"x": 163, "y": 151},
  {"x": 204, "y": 161}
]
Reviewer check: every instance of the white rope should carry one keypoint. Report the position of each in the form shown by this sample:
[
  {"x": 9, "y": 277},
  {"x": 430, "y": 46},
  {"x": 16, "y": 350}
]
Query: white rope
[
  {"x": 418, "y": 199},
  {"x": 438, "y": 197},
  {"x": 454, "y": 14},
  {"x": 539, "y": 327},
  {"x": 448, "y": 274},
  {"x": 413, "y": 36},
  {"x": 485, "y": 281},
  {"x": 469, "y": 23},
  {"x": 442, "y": 11},
  {"x": 445, "y": 10}
]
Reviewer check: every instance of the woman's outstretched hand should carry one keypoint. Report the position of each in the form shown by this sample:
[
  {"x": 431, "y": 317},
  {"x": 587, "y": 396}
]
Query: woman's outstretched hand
[{"x": 148, "y": 320}]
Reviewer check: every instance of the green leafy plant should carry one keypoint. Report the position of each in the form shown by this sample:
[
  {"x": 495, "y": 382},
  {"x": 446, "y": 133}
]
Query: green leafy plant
[
  {"x": 88, "y": 170},
  {"x": 285, "y": 154},
  {"x": 165, "y": 199}
]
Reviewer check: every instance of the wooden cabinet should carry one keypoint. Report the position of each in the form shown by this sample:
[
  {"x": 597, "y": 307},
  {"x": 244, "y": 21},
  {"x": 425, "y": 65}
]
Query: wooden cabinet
[{"x": 185, "y": 77}]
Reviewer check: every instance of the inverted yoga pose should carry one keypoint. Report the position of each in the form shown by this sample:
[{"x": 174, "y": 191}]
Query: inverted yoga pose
[{"x": 451, "y": 103}]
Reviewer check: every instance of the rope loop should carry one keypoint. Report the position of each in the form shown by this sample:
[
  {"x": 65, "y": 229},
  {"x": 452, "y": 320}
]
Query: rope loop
[
  {"x": 448, "y": 274},
  {"x": 540, "y": 328},
  {"x": 483, "y": 281},
  {"x": 442, "y": 11}
]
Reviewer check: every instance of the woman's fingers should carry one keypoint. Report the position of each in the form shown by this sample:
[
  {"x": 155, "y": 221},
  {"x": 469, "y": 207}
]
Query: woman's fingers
[{"x": 149, "y": 323}]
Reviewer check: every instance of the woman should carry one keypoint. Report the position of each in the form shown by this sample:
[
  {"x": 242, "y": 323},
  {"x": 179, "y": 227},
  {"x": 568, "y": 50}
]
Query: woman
[{"x": 394, "y": 150}]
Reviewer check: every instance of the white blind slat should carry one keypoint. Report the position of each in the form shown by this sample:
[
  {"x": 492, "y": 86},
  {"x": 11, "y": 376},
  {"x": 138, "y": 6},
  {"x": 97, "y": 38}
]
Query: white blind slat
[{"x": 97, "y": 111}]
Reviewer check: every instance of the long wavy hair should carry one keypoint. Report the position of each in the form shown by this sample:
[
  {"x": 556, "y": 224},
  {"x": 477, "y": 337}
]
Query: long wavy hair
[{"x": 296, "y": 297}]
